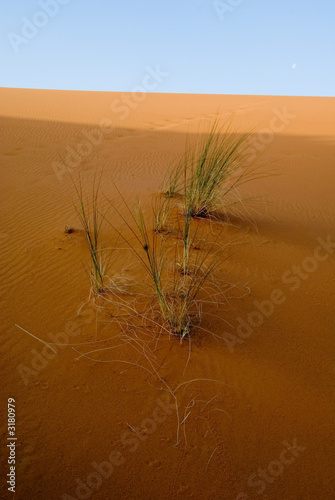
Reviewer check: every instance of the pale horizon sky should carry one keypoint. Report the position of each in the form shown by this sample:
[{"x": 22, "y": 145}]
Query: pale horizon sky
[{"x": 181, "y": 46}]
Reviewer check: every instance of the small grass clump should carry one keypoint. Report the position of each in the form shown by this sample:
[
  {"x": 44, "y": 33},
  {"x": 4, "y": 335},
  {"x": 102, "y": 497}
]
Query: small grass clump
[
  {"x": 217, "y": 164},
  {"x": 177, "y": 271},
  {"x": 92, "y": 219},
  {"x": 177, "y": 294}
]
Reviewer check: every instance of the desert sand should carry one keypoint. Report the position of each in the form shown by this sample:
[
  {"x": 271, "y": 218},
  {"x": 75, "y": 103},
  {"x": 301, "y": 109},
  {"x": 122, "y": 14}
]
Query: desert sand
[{"x": 262, "y": 423}]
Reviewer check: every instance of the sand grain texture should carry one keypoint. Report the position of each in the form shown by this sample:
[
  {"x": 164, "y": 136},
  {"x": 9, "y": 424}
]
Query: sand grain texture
[{"x": 279, "y": 382}]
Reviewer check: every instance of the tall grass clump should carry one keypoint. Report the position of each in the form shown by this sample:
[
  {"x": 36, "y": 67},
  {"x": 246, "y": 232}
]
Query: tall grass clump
[
  {"x": 176, "y": 271},
  {"x": 211, "y": 169},
  {"x": 177, "y": 290},
  {"x": 92, "y": 218}
]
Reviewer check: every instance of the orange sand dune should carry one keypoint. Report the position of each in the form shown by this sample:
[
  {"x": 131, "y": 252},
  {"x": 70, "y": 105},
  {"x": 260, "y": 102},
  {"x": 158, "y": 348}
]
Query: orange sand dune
[{"x": 260, "y": 422}]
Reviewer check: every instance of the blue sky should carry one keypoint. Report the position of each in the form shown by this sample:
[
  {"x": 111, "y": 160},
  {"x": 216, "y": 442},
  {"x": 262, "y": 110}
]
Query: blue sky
[{"x": 281, "y": 47}]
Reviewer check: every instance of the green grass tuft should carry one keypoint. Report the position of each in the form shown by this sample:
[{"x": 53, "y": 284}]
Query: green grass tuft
[
  {"x": 211, "y": 169},
  {"x": 176, "y": 269},
  {"x": 92, "y": 219}
]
